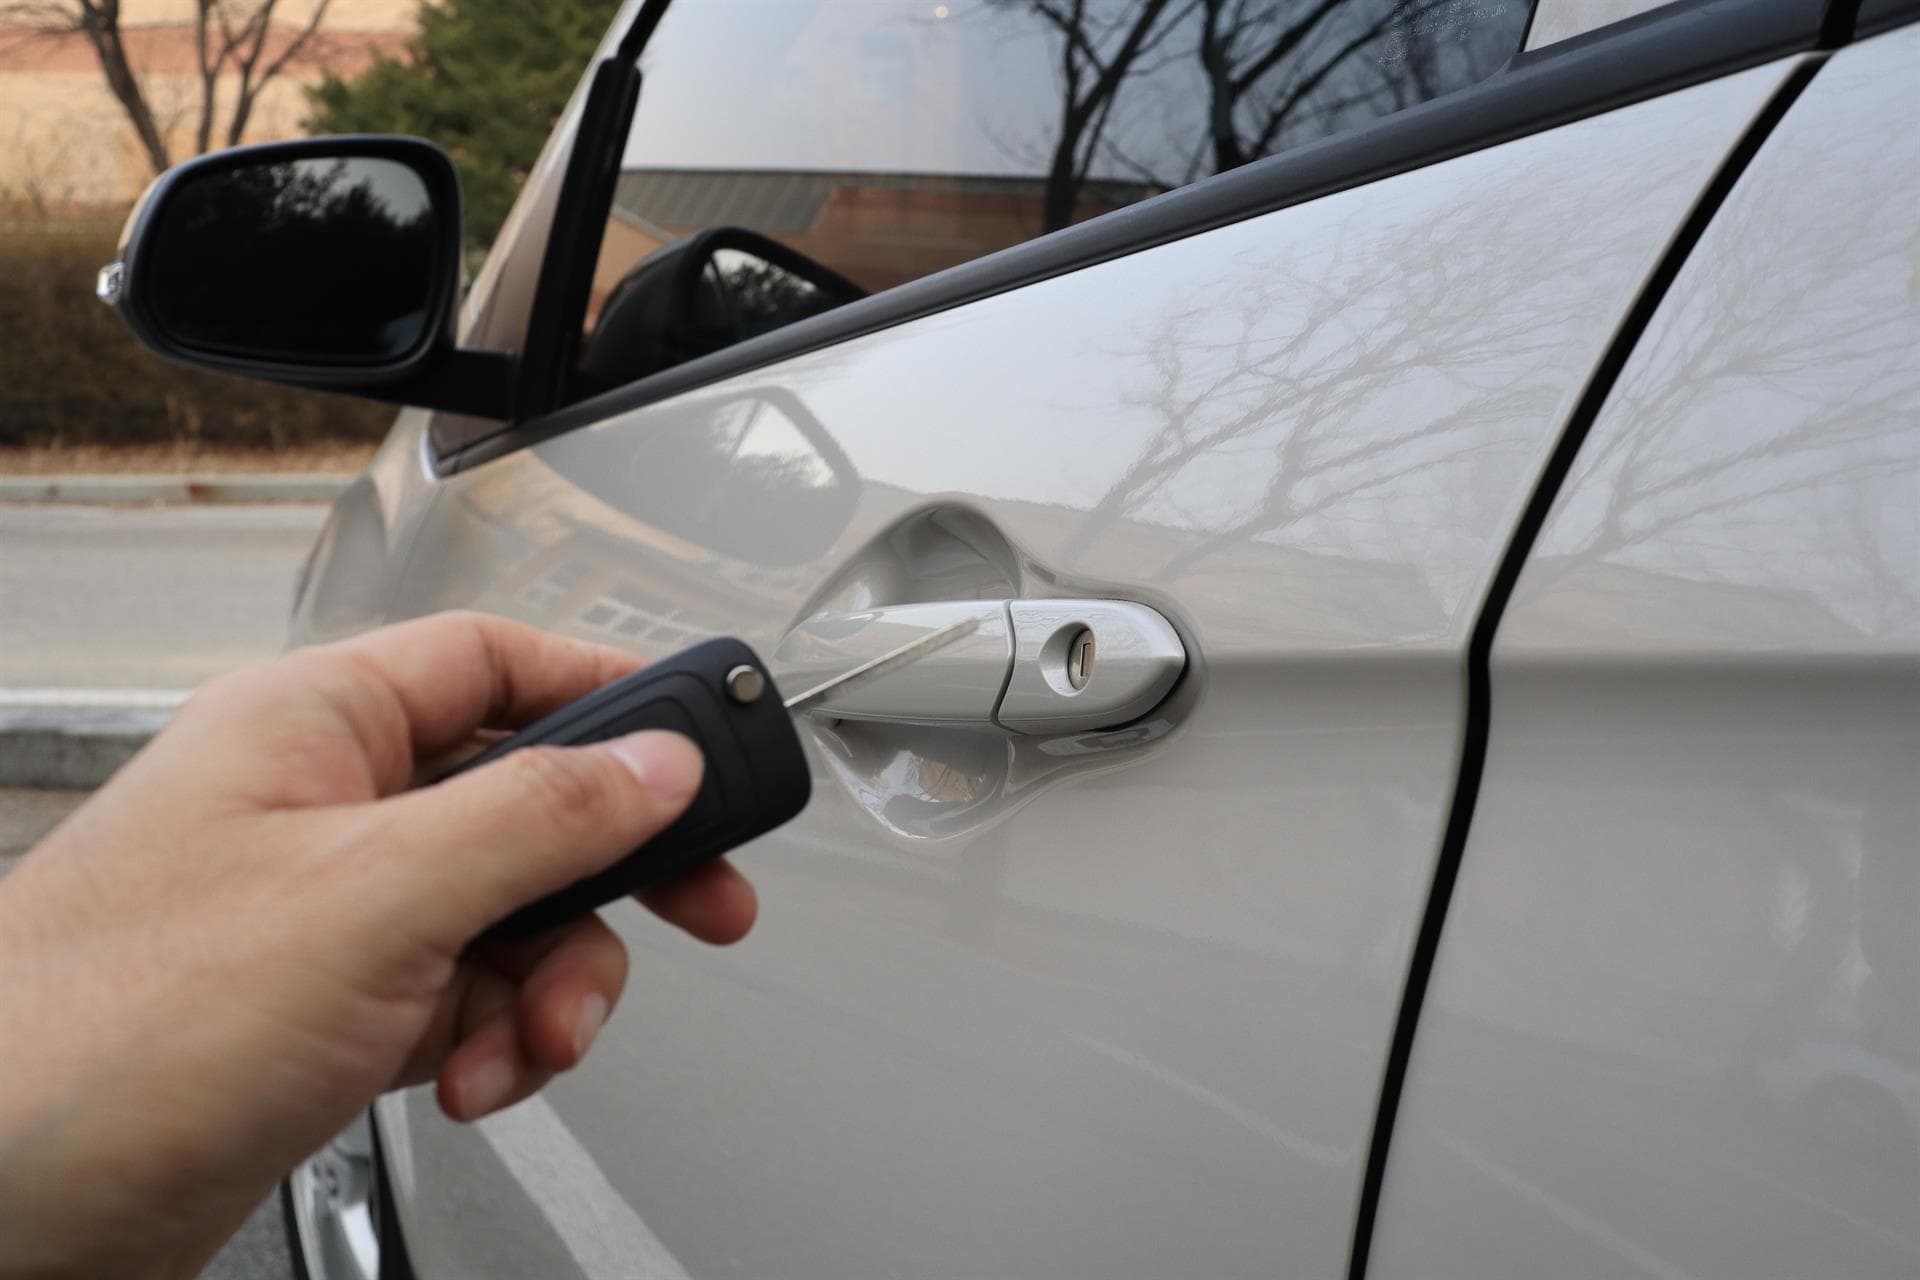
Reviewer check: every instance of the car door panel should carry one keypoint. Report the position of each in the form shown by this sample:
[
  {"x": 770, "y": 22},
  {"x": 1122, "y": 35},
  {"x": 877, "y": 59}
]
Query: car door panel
[
  {"x": 1672, "y": 1027},
  {"x": 1095, "y": 1004}
]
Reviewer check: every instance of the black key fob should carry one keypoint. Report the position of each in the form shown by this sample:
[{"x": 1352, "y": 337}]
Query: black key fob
[{"x": 720, "y": 695}]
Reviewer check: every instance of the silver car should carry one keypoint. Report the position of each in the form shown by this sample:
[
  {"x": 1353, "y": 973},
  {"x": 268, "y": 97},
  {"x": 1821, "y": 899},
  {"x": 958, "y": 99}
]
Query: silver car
[{"x": 1435, "y": 787}]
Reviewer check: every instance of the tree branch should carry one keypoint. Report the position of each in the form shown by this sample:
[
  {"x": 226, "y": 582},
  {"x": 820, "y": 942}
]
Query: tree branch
[
  {"x": 1286, "y": 44},
  {"x": 243, "y": 106},
  {"x": 209, "y": 73},
  {"x": 1278, "y": 116},
  {"x": 99, "y": 22}
]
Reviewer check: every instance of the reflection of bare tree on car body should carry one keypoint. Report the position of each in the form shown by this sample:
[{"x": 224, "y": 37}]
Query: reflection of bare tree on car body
[
  {"x": 1388, "y": 359},
  {"x": 1757, "y": 390}
]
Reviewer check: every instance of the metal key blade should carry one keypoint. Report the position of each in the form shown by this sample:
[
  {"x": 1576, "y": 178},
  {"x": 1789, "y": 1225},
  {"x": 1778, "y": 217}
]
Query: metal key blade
[{"x": 891, "y": 660}]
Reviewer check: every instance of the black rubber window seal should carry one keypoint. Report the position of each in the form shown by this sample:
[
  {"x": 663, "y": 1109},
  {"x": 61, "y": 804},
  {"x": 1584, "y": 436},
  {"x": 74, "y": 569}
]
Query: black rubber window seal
[
  {"x": 1661, "y": 51},
  {"x": 1876, "y": 16},
  {"x": 1479, "y": 692}
]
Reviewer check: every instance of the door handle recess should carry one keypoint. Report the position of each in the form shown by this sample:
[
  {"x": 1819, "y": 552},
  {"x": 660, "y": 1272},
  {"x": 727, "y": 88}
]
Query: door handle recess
[{"x": 1029, "y": 666}]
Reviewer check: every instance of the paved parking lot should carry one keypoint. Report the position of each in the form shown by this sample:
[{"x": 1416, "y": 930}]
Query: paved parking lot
[{"x": 145, "y": 597}]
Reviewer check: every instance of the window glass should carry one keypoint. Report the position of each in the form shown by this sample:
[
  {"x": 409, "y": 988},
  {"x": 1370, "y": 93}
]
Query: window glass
[
  {"x": 1565, "y": 19},
  {"x": 882, "y": 140}
]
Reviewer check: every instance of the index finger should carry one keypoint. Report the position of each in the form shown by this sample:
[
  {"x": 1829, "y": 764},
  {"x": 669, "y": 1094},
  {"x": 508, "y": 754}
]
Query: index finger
[{"x": 451, "y": 674}]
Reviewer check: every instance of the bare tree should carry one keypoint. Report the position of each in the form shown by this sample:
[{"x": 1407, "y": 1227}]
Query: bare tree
[
  {"x": 1099, "y": 50},
  {"x": 1766, "y": 422},
  {"x": 231, "y": 39},
  {"x": 1330, "y": 372},
  {"x": 1268, "y": 65},
  {"x": 1237, "y": 48},
  {"x": 1271, "y": 73}
]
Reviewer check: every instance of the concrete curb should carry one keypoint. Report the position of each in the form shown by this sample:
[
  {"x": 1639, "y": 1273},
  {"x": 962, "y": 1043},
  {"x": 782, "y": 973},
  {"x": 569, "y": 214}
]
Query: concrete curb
[
  {"x": 207, "y": 487},
  {"x": 74, "y": 739}
]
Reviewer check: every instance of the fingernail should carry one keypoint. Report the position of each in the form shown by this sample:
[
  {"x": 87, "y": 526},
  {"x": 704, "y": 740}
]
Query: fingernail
[
  {"x": 485, "y": 1087},
  {"x": 665, "y": 763},
  {"x": 587, "y": 1022}
]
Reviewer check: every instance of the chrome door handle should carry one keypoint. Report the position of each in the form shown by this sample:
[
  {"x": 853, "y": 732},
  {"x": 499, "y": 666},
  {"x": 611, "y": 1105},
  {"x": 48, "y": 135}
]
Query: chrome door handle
[{"x": 1030, "y": 666}]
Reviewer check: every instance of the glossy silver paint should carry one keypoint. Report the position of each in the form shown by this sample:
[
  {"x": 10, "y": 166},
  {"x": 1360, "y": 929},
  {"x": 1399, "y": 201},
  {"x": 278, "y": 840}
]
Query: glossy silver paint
[
  {"x": 1131, "y": 657},
  {"x": 1095, "y": 1004},
  {"x": 958, "y": 685},
  {"x": 1028, "y": 666},
  {"x": 1675, "y": 1025},
  {"x": 354, "y": 568}
]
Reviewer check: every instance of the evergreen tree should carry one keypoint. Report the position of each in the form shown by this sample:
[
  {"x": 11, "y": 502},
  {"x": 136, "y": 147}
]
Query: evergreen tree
[{"x": 486, "y": 79}]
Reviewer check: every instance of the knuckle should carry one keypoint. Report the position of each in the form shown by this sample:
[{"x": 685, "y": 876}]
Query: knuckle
[
  {"x": 209, "y": 699},
  {"x": 470, "y": 624},
  {"x": 572, "y": 794},
  {"x": 230, "y": 688},
  {"x": 474, "y": 624},
  {"x": 237, "y": 696}
]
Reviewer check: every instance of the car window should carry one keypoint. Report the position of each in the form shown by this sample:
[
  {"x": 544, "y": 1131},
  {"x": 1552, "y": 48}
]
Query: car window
[
  {"x": 788, "y": 156},
  {"x": 1559, "y": 20}
]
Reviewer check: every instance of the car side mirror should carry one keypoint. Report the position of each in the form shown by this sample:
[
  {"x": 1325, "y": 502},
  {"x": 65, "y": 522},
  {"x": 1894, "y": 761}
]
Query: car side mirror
[
  {"x": 700, "y": 294},
  {"x": 331, "y": 263}
]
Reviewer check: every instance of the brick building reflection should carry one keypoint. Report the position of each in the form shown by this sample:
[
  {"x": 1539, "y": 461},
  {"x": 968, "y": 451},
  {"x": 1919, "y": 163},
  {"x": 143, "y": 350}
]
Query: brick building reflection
[{"x": 877, "y": 229}]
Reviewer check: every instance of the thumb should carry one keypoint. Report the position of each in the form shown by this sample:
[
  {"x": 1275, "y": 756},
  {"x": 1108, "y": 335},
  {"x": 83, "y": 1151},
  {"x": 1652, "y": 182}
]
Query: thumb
[{"x": 479, "y": 845}]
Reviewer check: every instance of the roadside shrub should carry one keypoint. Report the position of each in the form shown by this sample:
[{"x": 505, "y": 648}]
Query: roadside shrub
[{"x": 71, "y": 373}]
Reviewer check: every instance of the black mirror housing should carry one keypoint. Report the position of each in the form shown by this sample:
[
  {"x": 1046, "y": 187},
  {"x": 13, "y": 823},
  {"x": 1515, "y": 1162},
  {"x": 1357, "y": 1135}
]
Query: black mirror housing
[
  {"x": 331, "y": 263},
  {"x": 700, "y": 293}
]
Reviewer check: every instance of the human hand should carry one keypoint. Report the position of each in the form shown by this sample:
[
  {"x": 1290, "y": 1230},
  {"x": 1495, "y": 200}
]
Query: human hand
[{"x": 257, "y": 927}]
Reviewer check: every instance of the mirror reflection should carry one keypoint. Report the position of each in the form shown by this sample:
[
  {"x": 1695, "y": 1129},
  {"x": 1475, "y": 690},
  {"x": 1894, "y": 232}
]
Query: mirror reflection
[
  {"x": 761, "y": 453},
  {"x": 699, "y": 295},
  {"x": 322, "y": 259},
  {"x": 744, "y": 295}
]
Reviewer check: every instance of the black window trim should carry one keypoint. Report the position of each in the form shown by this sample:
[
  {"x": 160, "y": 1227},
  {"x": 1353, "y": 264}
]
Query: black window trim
[
  {"x": 1876, "y": 16},
  {"x": 566, "y": 267},
  {"x": 585, "y": 196},
  {"x": 1658, "y": 52}
]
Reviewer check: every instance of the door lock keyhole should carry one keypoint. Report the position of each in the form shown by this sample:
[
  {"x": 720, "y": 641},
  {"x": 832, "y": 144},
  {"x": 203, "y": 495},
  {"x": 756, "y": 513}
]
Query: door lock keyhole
[{"x": 1080, "y": 658}]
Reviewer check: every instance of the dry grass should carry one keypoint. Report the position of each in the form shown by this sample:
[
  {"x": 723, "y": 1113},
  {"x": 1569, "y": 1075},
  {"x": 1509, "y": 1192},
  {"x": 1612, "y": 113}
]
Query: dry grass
[
  {"x": 71, "y": 375},
  {"x": 181, "y": 458}
]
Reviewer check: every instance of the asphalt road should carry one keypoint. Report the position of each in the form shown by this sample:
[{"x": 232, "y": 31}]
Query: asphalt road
[
  {"x": 145, "y": 597},
  {"x": 258, "y": 1251}
]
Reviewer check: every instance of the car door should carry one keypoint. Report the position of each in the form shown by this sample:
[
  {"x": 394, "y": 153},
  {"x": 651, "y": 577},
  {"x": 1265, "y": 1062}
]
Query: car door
[
  {"x": 1674, "y": 1026},
  {"x": 1103, "y": 995}
]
